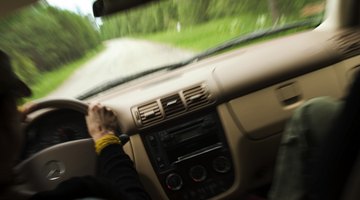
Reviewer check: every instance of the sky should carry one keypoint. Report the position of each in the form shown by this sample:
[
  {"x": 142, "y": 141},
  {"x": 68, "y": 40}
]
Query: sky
[{"x": 82, "y": 6}]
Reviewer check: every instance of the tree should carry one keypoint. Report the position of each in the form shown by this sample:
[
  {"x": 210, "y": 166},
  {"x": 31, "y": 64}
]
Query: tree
[
  {"x": 47, "y": 36},
  {"x": 193, "y": 12},
  {"x": 274, "y": 10}
]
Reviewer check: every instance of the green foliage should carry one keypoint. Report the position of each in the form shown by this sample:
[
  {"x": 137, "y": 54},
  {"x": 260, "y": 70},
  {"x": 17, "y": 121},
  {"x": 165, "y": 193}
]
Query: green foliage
[
  {"x": 193, "y": 12},
  {"x": 156, "y": 17},
  {"x": 165, "y": 15},
  {"x": 47, "y": 36},
  {"x": 49, "y": 81},
  {"x": 24, "y": 68},
  {"x": 209, "y": 34}
]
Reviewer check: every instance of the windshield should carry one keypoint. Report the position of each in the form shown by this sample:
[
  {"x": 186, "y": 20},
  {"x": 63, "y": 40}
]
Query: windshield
[{"x": 60, "y": 50}]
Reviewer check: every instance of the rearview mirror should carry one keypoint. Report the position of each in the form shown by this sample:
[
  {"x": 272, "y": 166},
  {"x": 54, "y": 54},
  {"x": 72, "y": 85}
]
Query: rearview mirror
[{"x": 107, "y": 7}]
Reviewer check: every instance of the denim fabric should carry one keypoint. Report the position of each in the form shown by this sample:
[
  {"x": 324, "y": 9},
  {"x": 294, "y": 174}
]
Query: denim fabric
[{"x": 299, "y": 147}]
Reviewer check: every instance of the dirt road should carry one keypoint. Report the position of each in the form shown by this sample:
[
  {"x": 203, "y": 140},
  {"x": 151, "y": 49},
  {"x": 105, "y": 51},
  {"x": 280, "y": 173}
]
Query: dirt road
[{"x": 121, "y": 57}]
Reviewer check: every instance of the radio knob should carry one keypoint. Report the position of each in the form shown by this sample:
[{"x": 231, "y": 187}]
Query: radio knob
[
  {"x": 221, "y": 164},
  {"x": 174, "y": 182},
  {"x": 198, "y": 173}
]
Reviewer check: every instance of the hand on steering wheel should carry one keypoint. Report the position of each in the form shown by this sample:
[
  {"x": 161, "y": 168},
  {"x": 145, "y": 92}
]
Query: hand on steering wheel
[{"x": 100, "y": 121}]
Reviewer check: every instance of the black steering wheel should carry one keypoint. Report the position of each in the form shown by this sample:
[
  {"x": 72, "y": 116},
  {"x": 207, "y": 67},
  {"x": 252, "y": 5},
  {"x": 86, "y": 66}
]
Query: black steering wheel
[{"x": 47, "y": 168}]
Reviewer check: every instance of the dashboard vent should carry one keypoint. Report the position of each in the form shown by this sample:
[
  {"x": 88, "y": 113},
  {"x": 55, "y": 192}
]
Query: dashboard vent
[
  {"x": 172, "y": 105},
  {"x": 149, "y": 113},
  {"x": 196, "y": 96},
  {"x": 349, "y": 43}
]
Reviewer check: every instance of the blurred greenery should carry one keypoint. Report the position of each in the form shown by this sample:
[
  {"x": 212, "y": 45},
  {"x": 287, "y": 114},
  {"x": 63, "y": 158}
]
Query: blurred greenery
[
  {"x": 25, "y": 68},
  {"x": 43, "y": 38},
  {"x": 168, "y": 15},
  {"x": 208, "y": 34},
  {"x": 47, "y": 44},
  {"x": 52, "y": 79},
  {"x": 211, "y": 34}
]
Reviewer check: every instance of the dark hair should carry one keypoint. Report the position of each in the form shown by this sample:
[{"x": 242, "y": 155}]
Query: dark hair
[
  {"x": 5, "y": 70},
  {"x": 9, "y": 81},
  {"x": 4, "y": 60}
]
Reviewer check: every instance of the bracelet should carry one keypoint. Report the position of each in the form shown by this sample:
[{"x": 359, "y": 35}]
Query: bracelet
[{"x": 105, "y": 141}]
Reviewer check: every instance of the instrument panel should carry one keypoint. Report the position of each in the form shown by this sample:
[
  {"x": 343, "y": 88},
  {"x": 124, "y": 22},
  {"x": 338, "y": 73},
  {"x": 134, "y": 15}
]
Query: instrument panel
[{"x": 52, "y": 128}]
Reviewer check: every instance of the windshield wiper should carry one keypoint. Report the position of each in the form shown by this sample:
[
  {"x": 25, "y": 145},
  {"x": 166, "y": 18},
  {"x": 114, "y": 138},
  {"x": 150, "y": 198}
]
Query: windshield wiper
[{"x": 224, "y": 46}]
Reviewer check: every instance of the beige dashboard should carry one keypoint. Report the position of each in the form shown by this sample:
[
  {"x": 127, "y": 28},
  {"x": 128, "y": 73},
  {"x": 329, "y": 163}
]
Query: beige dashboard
[{"x": 254, "y": 90}]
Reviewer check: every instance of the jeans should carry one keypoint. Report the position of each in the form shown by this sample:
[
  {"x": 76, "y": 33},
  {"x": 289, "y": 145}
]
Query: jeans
[{"x": 299, "y": 147}]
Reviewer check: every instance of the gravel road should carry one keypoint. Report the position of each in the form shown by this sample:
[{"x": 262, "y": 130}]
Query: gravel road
[{"x": 121, "y": 57}]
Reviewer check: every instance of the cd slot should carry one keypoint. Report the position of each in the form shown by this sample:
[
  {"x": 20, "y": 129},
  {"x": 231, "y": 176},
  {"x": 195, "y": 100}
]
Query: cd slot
[
  {"x": 199, "y": 152},
  {"x": 188, "y": 143}
]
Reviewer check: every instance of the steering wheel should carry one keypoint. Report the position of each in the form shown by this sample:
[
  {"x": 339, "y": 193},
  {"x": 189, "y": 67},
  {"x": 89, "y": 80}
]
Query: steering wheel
[{"x": 47, "y": 168}]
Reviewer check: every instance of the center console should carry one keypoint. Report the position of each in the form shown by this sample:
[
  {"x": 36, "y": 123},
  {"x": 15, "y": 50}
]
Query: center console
[{"x": 191, "y": 158}]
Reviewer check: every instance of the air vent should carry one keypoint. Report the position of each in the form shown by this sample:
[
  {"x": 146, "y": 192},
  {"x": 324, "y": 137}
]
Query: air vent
[
  {"x": 149, "y": 113},
  {"x": 172, "y": 105},
  {"x": 196, "y": 97},
  {"x": 349, "y": 43}
]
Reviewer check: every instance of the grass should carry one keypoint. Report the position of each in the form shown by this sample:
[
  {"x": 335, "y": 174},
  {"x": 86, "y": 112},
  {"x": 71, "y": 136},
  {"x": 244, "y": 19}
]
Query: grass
[
  {"x": 49, "y": 81},
  {"x": 207, "y": 35}
]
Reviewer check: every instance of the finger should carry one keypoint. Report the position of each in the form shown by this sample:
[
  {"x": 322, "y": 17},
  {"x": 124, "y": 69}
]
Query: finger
[
  {"x": 109, "y": 113},
  {"x": 102, "y": 112},
  {"x": 26, "y": 109},
  {"x": 92, "y": 107},
  {"x": 97, "y": 107}
]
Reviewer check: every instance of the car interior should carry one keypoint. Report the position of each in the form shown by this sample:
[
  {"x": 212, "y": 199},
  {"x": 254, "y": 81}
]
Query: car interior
[{"x": 209, "y": 130}]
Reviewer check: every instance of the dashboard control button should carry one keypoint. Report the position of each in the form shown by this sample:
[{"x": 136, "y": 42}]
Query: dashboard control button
[
  {"x": 174, "y": 182},
  {"x": 152, "y": 141},
  {"x": 160, "y": 163},
  {"x": 198, "y": 173},
  {"x": 221, "y": 164}
]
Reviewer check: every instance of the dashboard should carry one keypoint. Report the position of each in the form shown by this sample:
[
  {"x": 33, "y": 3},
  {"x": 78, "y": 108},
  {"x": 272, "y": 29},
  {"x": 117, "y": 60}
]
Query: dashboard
[
  {"x": 251, "y": 91},
  {"x": 191, "y": 158},
  {"x": 212, "y": 129}
]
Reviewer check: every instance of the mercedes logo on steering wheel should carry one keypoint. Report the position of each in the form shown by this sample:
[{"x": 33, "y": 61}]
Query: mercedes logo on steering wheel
[{"x": 54, "y": 170}]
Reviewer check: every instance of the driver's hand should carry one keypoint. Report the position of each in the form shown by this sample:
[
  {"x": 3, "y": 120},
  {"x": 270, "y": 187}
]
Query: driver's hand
[
  {"x": 26, "y": 109},
  {"x": 100, "y": 121}
]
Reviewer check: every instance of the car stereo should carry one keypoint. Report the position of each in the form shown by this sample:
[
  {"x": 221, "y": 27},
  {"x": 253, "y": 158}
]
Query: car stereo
[{"x": 191, "y": 158}]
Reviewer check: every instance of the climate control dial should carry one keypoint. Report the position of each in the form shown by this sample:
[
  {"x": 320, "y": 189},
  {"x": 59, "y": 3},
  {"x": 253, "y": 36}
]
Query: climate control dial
[
  {"x": 198, "y": 173},
  {"x": 174, "y": 182},
  {"x": 221, "y": 164}
]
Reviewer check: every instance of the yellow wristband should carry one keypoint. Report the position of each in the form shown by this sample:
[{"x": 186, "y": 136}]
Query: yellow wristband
[{"x": 106, "y": 140}]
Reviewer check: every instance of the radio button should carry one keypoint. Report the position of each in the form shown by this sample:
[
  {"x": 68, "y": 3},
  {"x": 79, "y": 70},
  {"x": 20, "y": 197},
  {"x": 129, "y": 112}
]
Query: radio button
[
  {"x": 174, "y": 182},
  {"x": 221, "y": 164},
  {"x": 198, "y": 173}
]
